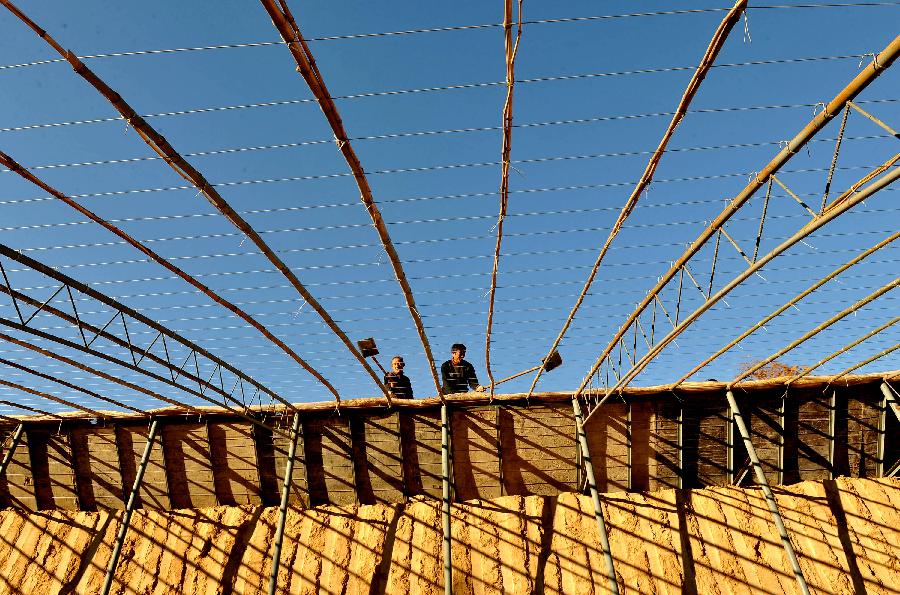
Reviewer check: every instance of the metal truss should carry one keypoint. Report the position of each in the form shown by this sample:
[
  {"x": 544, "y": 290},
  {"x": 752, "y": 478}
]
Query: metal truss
[
  {"x": 118, "y": 329},
  {"x": 626, "y": 340}
]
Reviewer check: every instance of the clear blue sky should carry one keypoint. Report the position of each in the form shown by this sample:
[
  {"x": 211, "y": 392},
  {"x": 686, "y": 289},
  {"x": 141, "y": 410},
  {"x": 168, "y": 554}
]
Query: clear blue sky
[{"x": 568, "y": 183}]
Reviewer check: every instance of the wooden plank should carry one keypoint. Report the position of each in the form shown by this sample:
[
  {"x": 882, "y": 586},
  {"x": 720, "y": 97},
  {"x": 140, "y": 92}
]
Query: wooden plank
[
  {"x": 379, "y": 468},
  {"x": 299, "y": 495},
  {"x": 421, "y": 431},
  {"x": 476, "y": 460},
  {"x": 608, "y": 435},
  {"x": 154, "y": 492},
  {"x": 329, "y": 456},
  {"x": 538, "y": 447},
  {"x": 52, "y": 469},
  {"x": 97, "y": 468},
  {"x": 188, "y": 466},
  {"x": 665, "y": 451},
  {"x": 863, "y": 413},
  {"x": 813, "y": 437},
  {"x": 234, "y": 463},
  {"x": 764, "y": 412}
]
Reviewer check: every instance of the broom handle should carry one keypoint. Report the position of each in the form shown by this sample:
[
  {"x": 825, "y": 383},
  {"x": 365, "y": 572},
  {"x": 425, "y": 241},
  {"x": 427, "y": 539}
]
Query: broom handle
[
  {"x": 517, "y": 375},
  {"x": 374, "y": 359}
]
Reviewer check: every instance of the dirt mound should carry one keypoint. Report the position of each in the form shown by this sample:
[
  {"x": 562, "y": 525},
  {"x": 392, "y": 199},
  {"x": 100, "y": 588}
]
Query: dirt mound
[{"x": 718, "y": 540}]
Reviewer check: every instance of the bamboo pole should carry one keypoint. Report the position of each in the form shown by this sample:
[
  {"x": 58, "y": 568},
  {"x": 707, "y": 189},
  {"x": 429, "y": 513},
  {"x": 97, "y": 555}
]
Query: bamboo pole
[
  {"x": 860, "y": 82},
  {"x": 129, "y": 509},
  {"x": 161, "y": 147},
  {"x": 767, "y": 493},
  {"x": 706, "y": 63},
  {"x": 306, "y": 65},
  {"x": 7, "y": 457},
  {"x": 806, "y": 230},
  {"x": 511, "y": 51},
  {"x": 595, "y": 497},
  {"x": 868, "y": 360},
  {"x": 50, "y": 397},
  {"x": 283, "y": 506}
]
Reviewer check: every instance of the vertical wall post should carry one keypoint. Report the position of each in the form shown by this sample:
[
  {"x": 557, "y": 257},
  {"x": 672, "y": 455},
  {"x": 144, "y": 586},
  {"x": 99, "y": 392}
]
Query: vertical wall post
[
  {"x": 889, "y": 401},
  {"x": 595, "y": 497},
  {"x": 730, "y": 471},
  {"x": 283, "y": 506},
  {"x": 680, "y": 439},
  {"x": 129, "y": 508},
  {"x": 767, "y": 492},
  {"x": 17, "y": 437},
  {"x": 832, "y": 430},
  {"x": 445, "y": 499},
  {"x": 781, "y": 437},
  {"x": 628, "y": 440}
]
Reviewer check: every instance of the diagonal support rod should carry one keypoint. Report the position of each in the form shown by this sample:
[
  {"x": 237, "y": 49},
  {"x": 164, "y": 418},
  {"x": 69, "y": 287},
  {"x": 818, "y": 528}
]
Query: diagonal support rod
[
  {"x": 595, "y": 497},
  {"x": 129, "y": 509},
  {"x": 445, "y": 500},
  {"x": 17, "y": 437},
  {"x": 283, "y": 506},
  {"x": 767, "y": 492}
]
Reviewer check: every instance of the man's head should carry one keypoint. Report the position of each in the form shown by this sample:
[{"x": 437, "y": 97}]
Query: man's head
[
  {"x": 457, "y": 352},
  {"x": 397, "y": 364}
]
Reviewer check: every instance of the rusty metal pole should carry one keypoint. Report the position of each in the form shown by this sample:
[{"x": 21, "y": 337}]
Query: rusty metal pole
[
  {"x": 283, "y": 507},
  {"x": 767, "y": 492},
  {"x": 129, "y": 509},
  {"x": 445, "y": 500},
  {"x": 595, "y": 497},
  {"x": 17, "y": 437}
]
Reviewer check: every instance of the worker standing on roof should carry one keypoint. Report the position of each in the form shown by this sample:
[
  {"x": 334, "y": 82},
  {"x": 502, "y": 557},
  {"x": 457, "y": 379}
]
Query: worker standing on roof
[
  {"x": 396, "y": 381},
  {"x": 457, "y": 374}
]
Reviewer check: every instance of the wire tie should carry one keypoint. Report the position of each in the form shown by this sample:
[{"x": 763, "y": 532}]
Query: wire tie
[
  {"x": 863, "y": 58},
  {"x": 517, "y": 170},
  {"x": 747, "y": 37},
  {"x": 824, "y": 107},
  {"x": 808, "y": 245}
]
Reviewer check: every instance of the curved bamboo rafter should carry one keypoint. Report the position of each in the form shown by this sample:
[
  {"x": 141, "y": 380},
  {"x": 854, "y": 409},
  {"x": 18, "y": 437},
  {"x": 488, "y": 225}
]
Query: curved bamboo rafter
[
  {"x": 53, "y": 398},
  {"x": 512, "y": 50},
  {"x": 161, "y": 147},
  {"x": 109, "y": 377},
  {"x": 840, "y": 205},
  {"x": 306, "y": 65},
  {"x": 712, "y": 51},
  {"x": 787, "y": 305},
  {"x": 14, "y": 166},
  {"x": 818, "y": 329},
  {"x": 67, "y": 384},
  {"x": 122, "y": 310}
]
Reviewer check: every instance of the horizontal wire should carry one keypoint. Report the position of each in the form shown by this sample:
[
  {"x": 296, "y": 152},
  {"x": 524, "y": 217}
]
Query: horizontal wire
[
  {"x": 444, "y": 167},
  {"x": 473, "y": 27},
  {"x": 420, "y": 90}
]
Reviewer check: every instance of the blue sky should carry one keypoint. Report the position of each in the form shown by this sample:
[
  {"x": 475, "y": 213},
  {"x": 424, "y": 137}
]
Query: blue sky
[{"x": 424, "y": 110}]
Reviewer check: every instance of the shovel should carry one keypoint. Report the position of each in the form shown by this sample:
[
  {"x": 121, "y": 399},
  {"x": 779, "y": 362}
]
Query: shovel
[
  {"x": 549, "y": 363},
  {"x": 368, "y": 349}
]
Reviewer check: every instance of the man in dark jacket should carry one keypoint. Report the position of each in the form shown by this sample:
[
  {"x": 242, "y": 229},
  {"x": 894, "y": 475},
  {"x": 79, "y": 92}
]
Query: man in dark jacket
[
  {"x": 396, "y": 381},
  {"x": 458, "y": 375}
]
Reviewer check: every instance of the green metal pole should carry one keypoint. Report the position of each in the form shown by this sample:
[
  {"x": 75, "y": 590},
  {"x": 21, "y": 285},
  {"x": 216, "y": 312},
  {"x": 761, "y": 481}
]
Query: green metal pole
[
  {"x": 129, "y": 509},
  {"x": 595, "y": 497},
  {"x": 283, "y": 507}
]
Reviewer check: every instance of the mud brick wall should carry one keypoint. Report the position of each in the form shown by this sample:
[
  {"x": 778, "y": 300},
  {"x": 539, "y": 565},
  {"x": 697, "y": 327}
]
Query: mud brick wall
[
  {"x": 609, "y": 440},
  {"x": 421, "y": 432},
  {"x": 188, "y": 466},
  {"x": 299, "y": 493},
  {"x": 476, "y": 458},
  {"x": 379, "y": 458},
  {"x": 234, "y": 461},
  {"x": 329, "y": 460},
  {"x": 538, "y": 449},
  {"x": 154, "y": 490},
  {"x": 97, "y": 467}
]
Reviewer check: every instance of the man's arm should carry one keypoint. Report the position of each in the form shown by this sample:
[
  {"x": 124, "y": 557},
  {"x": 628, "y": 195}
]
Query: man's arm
[{"x": 472, "y": 378}]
